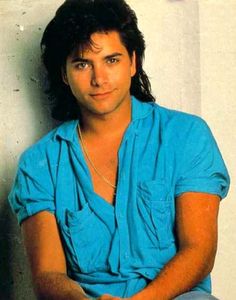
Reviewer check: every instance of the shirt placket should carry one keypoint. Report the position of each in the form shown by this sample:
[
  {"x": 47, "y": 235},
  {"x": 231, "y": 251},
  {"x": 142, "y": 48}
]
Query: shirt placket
[{"x": 126, "y": 179}]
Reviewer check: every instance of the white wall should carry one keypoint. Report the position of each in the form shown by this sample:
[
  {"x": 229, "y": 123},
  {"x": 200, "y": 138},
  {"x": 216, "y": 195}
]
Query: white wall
[
  {"x": 24, "y": 118},
  {"x": 191, "y": 61},
  {"x": 218, "y": 102},
  {"x": 171, "y": 30}
]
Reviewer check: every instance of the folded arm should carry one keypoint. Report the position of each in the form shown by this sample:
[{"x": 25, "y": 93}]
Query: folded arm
[
  {"x": 47, "y": 259},
  {"x": 196, "y": 224}
]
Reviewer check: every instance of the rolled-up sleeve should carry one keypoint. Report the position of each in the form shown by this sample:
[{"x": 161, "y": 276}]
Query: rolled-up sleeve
[
  {"x": 202, "y": 167},
  {"x": 33, "y": 189}
]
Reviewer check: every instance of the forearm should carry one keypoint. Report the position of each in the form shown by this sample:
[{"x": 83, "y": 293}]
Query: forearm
[
  {"x": 58, "y": 286},
  {"x": 180, "y": 275}
]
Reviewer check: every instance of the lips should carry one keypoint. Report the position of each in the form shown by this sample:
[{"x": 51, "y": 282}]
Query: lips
[{"x": 98, "y": 96}]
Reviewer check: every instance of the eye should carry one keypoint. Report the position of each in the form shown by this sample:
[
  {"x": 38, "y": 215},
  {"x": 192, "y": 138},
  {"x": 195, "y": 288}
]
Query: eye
[
  {"x": 82, "y": 65},
  {"x": 112, "y": 60}
]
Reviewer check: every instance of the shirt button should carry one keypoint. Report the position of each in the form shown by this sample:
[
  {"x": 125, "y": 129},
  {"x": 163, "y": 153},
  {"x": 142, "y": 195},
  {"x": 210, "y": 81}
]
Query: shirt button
[
  {"x": 126, "y": 255},
  {"x": 147, "y": 273}
]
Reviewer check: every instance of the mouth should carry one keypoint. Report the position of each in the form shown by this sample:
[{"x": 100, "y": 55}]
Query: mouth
[{"x": 99, "y": 96}]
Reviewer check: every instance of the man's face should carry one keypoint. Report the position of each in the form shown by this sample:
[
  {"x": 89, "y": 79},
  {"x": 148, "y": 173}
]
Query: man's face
[{"x": 100, "y": 76}]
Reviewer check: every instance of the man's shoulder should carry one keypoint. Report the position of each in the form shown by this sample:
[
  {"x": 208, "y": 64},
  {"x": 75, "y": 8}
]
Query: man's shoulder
[
  {"x": 177, "y": 126},
  {"x": 49, "y": 144},
  {"x": 179, "y": 120}
]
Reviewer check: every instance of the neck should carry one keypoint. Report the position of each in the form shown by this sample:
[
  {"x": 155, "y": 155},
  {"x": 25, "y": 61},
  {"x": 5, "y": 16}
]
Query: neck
[{"x": 102, "y": 125}]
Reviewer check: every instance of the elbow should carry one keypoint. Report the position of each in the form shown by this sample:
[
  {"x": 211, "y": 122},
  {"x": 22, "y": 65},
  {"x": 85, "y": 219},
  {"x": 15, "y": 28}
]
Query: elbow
[
  {"x": 44, "y": 283},
  {"x": 202, "y": 257},
  {"x": 41, "y": 282},
  {"x": 209, "y": 260},
  {"x": 209, "y": 254}
]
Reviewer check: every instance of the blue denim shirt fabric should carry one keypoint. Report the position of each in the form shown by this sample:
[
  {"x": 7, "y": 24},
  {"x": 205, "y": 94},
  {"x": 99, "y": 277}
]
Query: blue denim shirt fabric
[{"x": 119, "y": 249}]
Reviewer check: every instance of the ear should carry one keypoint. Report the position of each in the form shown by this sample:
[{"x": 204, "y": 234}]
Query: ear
[
  {"x": 64, "y": 76},
  {"x": 133, "y": 64}
]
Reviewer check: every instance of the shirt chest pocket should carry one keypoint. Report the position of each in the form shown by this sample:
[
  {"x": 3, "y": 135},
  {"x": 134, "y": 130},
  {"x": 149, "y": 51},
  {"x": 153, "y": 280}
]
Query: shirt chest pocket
[
  {"x": 87, "y": 241},
  {"x": 155, "y": 208}
]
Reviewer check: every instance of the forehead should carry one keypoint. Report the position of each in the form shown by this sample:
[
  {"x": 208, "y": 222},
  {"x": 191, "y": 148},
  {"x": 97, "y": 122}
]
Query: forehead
[{"x": 101, "y": 43}]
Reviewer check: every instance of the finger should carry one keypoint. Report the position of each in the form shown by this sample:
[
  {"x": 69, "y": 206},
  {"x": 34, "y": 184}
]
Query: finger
[{"x": 106, "y": 297}]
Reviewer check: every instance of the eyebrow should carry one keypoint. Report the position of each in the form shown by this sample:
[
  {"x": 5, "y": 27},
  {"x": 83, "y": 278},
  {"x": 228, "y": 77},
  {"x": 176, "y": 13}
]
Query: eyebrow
[{"x": 81, "y": 59}]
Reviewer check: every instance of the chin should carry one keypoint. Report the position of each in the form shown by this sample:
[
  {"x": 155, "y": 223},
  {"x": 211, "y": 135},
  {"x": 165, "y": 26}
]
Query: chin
[
  {"x": 105, "y": 108},
  {"x": 103, "y": 112}
]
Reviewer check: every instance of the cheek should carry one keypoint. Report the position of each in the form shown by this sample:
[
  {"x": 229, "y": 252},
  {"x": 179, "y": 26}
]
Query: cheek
[
  {"x": 78, "y": 83},
  {"x": 123, "y": 76}
]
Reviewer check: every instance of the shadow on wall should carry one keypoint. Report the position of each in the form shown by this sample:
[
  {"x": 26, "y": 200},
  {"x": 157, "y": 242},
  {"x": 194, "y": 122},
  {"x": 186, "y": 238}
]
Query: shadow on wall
[
  {"x": 15, "y": 281},
  {"x": 35, "y": 121},
  {"x": 6, "y": 279}
]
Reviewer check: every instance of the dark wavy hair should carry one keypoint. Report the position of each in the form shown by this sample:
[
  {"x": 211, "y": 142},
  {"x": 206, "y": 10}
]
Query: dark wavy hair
[{"x": 71, "y": 28}]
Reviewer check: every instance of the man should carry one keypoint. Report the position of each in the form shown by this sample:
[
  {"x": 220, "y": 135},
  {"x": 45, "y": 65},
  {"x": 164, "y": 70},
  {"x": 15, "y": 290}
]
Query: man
[{"x": 121, "y": 200}]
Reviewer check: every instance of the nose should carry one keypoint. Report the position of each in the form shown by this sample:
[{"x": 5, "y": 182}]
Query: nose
[{"x": 99, "y": 75}]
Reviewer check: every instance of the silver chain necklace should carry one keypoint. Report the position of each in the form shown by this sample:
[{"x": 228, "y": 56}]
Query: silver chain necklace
[{"x": 91, "y": 163}]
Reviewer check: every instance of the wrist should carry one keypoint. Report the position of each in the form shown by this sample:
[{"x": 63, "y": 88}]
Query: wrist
[{"x": 144, "y": 294}]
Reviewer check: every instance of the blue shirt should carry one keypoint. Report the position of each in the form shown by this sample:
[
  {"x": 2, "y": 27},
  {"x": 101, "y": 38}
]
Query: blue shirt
[{"x": 119, "y": 249}]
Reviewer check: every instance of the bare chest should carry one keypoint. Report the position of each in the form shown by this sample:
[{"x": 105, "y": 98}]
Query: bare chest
[{"x": 102, "y": 162}]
